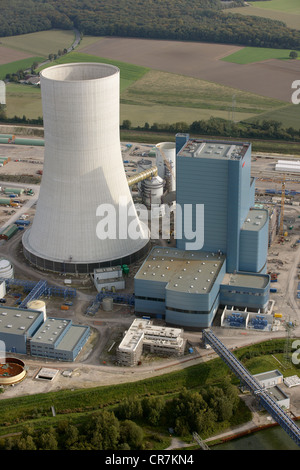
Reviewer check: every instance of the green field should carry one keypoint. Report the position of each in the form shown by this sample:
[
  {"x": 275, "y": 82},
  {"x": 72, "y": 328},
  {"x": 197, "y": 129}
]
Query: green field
[
  {"x": 249, "y": 55},
  {"x": 168, "y": 98},
  {"x": 289, "y": 115},
  {"x": 287, "y": 6},
  {"x": 149, "y": 95},
  {"x": 153, "y": 96},
  {"x": 13, "y": 67},
  {"x": 40, "y": 44},
  {"x": 289, "y": 18},
  {"x": 129, "y": 73}
]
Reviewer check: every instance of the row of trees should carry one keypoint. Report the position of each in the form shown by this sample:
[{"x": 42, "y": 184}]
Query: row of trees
[
  {"x": 265, "y": 129},
  {"x": 188, "y": 20},
  {"x": 188, "y": 412}
]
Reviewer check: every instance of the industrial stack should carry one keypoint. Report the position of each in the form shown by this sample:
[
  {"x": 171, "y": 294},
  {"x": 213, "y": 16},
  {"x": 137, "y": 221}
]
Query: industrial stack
[{"x": 83, "y": 173}]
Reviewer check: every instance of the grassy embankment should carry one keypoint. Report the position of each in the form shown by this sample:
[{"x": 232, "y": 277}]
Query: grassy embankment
[{"x": 76, "y": 405}]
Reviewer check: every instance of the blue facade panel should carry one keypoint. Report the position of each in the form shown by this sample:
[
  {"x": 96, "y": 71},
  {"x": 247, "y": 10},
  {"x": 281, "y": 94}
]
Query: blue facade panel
[
  {"x": 254, "y": 249},
  {"x": 202, "y": 181},
  {"x": 244, "y": 296}
]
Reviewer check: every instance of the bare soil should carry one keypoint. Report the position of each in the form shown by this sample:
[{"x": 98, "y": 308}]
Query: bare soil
[
  {"x": 271, "y": 78},
  {"x": 11, "y": 55}
]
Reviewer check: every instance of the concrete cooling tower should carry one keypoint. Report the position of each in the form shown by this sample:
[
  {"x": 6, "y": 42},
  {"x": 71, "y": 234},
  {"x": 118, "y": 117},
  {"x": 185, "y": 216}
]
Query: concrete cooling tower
[{"x": 84, "y": 183}]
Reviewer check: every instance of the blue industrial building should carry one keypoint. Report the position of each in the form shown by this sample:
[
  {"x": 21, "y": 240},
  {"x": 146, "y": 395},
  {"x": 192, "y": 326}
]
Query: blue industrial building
[
  {"x": 28, "y": 331},
  {"x": 187, "y": 284}
]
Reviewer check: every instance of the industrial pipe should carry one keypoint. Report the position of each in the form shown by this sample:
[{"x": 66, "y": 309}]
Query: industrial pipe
[{"x": 142, "y": 176}]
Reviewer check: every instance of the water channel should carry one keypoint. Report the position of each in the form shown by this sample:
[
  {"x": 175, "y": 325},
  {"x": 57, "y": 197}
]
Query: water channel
[{"x": 274, "y": 438}]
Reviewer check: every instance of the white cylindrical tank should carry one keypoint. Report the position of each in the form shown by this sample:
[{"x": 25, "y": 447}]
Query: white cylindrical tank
[
  {"x": 38, "y": 305},
  {"x": 152, "y": 191},
  {"x": 107, "y": 304},
  {"x": 166, "y": 163},
  {"x": 143, "y": 165},
  {"x": 2, "y": 92},
  {"x": 84, "y": 196},
  {"x": 6, "y": 269}
]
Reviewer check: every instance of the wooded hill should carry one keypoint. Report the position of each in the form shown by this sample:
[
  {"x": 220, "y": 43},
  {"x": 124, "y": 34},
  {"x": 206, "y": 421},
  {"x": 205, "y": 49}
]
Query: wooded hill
[{"x": 187, "y": 20}]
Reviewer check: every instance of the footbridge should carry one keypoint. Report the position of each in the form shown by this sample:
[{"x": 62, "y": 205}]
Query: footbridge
[{"x": 270, "y": 405}]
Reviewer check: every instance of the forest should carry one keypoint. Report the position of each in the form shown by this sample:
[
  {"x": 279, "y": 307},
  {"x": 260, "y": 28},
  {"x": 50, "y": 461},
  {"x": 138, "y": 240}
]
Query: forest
[{"x": 189, "y": 20}]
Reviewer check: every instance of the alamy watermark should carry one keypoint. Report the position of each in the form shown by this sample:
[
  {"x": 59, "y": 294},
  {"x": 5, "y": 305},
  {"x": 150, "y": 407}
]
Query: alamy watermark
[
  {"x": 296, "y": 93},
  {"x": 126, "y": 221},
  {"x": 296, "y": 354},
  {"x": 2, "y": 352}
]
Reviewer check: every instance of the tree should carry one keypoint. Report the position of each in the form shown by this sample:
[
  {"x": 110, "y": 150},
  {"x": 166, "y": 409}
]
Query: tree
[
  {"x": 103, "y": 431},
  {"x": 132, "y": 434},
  {"x": 47, "y": 440},
  {"x": 130, "y": 408},
  {"x": 126, "y": 124},
  {"x": 293, "y": 55}
]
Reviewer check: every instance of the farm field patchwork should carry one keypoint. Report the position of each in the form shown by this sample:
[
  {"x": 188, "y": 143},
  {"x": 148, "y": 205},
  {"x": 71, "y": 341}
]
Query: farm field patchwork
[
  {"x": 271, "y": 79},
  {"x": 154, "y": 96},
  {"x": 182, "y": 81}
]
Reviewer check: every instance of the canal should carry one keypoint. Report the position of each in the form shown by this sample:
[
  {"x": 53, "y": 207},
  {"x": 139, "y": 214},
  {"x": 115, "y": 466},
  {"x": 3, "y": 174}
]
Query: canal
[{"x": 274, "y": 438}]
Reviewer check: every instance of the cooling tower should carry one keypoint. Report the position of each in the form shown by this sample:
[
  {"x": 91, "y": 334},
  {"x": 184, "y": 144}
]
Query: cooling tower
[{"x": 84, "y": 183}]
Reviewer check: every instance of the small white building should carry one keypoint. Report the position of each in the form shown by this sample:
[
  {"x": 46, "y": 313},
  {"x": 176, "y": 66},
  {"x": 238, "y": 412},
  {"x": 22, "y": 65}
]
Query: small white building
[
  {"x": 269, "y": 381},
  {"x": 143, "y": 336},
  {"x": 109, "y": 279}
]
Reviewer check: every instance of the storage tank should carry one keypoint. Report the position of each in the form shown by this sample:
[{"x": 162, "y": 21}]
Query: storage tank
[
  {"x": 6, "y": 269},
  {"x": 83, "y": 162},
  {"x": 38, "y": 305},
  {"x": 166, "y": 163},
  {"x": 2, "y": 92},
  {"x": 107, "y": 304},
  {"x": 152, "y": 191},
  {"x": 143, "y": 165}
]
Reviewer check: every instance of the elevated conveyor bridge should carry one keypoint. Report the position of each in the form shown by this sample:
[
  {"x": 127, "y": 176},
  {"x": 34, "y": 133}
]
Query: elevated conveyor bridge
[{"x": 270, "y": 405}]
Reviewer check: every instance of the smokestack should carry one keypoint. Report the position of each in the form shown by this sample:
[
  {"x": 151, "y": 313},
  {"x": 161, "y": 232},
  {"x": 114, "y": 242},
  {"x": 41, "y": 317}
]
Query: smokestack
[{"x": 83, "y": 171}]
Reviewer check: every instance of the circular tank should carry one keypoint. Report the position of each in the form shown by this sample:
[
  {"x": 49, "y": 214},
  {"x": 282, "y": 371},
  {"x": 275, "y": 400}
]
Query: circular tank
[
  {"x": 152, "y": 191},
  {"x": 12, "y": 371},
  {"x": 143, "y": 165},
  {"x": 6, "y": 269},
  {"x": 38, "y": 305},
  {"x": 166, "y": 163},
  {"x": 107, "y": 304}
]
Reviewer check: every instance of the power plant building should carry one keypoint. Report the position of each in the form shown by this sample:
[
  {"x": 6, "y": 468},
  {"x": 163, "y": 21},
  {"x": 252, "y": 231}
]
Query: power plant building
[
  {"x": 83, "y": 176},
  {"x": 27, "y": 331},
  {"x": 221, "y": 259}
]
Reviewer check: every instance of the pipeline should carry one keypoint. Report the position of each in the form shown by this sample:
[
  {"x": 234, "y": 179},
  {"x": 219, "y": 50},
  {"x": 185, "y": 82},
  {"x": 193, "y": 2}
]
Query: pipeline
[{"x": 142, "y": 176}]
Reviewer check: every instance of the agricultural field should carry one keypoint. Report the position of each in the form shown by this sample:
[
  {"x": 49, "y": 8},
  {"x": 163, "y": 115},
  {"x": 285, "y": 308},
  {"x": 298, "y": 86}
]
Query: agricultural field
[
  {"x": 249, "y": 55},
  {"x": 289, "y": 6},
  {"x": 129, "y": 73},
  {"x": 39, "y": 44},
  {"x": 287, "y": 11},
  {"x": 169, "y": 81}
]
